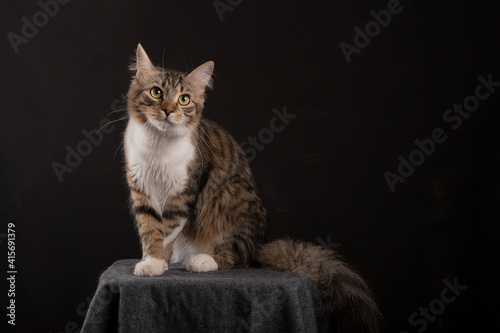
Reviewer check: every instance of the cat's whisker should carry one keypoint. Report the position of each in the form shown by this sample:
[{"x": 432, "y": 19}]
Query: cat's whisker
[
  {"x": 137, "y": 111},
  {"x": 133, "y": 103},
  {"x": 121, "y": 110},
  {"x": 141, "y": 107},
  {"x": 129, "y": 101},
  {"x": 208, "y": 136},
  {"x": 148, "y": 124},
  {"x": 110, "y": 122},
  {"x": 199, "y": 135},
  {"x": 208, "y": 146},
  {"x": 201, "y": 155},
  {"x": 121, "y": 144},
  {"x": 144, "y": 112}
]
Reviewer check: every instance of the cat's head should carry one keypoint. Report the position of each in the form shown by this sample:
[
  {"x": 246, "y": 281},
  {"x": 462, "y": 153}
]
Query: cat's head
[{"x": 167, "y": 100}]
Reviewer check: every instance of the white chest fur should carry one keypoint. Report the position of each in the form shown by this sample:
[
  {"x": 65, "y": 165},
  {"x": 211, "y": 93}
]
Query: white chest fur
[{"x": 158, "y": 161}]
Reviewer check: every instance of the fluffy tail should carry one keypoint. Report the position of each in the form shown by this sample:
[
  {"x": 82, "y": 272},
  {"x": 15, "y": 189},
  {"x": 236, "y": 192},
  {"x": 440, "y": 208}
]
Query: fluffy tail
[{"x": 347, "y": 300}]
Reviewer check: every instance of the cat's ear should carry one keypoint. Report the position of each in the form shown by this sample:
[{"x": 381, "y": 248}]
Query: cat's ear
[
  {"x": 201, "y": 77},
  {"x": 142, "y": 64}
]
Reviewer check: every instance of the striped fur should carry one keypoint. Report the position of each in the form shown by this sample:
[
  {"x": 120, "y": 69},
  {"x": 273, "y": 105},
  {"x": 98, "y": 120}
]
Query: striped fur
[
  {"x": 195, "y": 201},
  {"x": 192, "y": 191},
  {"x": 347, "y": 300}
]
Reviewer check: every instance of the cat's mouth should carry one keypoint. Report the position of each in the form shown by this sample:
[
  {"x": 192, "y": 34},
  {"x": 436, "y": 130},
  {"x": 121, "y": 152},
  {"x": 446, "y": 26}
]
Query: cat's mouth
[
  {"x": 164, "y": 123},
  {"x": 168, "y": 120}
]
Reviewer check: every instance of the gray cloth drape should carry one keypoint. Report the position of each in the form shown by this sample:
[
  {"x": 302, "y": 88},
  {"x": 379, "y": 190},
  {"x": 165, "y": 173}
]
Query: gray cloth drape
[{"x": 231, "y": 300}]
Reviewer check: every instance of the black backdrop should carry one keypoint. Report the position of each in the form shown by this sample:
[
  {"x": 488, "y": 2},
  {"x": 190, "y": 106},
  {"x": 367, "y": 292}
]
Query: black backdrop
[{"x": 321, "y": 176}]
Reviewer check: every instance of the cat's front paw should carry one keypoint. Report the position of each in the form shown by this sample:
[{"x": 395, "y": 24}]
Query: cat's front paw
[
  {"x": 201, "y": 263},
  {"x": 150, "y": 267}
]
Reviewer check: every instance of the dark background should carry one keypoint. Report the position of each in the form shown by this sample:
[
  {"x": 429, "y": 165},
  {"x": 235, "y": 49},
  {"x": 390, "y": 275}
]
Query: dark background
[{"x": 322, "y": 177}]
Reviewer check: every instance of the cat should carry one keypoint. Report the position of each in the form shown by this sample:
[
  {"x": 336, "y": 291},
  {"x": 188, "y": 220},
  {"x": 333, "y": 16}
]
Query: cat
[{"x": 195, "y": 200}]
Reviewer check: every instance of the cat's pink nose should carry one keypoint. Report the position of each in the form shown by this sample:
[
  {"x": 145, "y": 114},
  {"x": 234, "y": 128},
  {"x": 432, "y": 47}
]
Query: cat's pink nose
[{"x": 167, "y": 111}]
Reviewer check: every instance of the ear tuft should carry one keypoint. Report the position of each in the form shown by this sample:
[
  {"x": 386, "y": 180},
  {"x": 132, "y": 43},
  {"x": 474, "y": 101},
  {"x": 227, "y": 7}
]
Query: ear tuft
[
  {"x": 201, "y": 77},
  {"x": 141, "y": 63}
]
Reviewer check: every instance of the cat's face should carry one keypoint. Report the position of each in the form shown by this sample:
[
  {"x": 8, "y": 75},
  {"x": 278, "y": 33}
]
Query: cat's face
[{"x": 170, "y": 101}]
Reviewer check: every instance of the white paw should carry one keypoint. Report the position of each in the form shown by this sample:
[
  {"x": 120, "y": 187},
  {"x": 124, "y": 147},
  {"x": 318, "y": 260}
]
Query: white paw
[
  {"x": 150, "y": 267},
  {"x": 201, "y": 263}
]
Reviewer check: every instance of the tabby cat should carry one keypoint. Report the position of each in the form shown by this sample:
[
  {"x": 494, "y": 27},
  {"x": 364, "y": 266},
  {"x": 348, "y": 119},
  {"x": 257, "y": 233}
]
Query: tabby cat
[{"x": 195, "y": 200}]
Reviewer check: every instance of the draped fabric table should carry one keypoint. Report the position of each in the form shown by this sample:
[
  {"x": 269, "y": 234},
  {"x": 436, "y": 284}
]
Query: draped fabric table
[{"x": 231, "y": 300}]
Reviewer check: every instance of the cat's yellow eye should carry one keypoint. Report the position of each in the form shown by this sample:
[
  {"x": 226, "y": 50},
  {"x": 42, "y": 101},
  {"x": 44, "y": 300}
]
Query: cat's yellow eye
[
  {"x": 184, "y": 100},
  {"x": 156, "y": 92}
]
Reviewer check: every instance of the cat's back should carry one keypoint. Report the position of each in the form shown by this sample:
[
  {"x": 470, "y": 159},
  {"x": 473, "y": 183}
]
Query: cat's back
[
  {"x": 220, "y": 143},
  {"x": 220, "y": 148}
]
